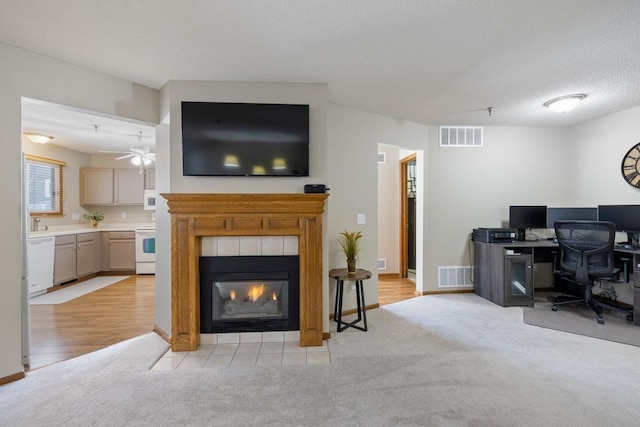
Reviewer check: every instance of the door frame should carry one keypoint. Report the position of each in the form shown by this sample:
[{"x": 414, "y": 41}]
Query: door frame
[{"x": 404, "y": 253}]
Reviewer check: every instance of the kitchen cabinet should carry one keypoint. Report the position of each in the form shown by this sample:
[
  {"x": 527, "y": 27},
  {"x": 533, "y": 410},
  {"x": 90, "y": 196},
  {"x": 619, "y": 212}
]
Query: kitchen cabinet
[
  {"x": 121, "y": 250},
  {"x": 75, "y": 256},
  {"x": 106, "y": 186}
]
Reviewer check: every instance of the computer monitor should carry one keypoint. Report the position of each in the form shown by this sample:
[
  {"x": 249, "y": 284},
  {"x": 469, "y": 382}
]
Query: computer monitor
[
  {"x": 523, "y": 217},
  {"x": 566, "y": 214},
  {"x": 626, "y": 218}
]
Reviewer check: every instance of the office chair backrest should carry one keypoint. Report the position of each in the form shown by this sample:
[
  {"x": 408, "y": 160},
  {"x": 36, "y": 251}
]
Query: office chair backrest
[{"x": 586, "y": 248}]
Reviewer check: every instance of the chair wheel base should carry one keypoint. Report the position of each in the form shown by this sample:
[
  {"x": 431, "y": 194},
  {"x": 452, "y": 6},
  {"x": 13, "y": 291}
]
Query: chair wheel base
[
  {"x": 554, "y": 308},
  {"x": 601, "y": 320}
]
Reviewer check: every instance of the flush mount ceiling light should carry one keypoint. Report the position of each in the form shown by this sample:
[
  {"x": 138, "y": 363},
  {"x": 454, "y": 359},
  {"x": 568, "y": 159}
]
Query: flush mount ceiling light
[
  {"x": 38, "y": 138},
  {"x": 564, "y": 103}
]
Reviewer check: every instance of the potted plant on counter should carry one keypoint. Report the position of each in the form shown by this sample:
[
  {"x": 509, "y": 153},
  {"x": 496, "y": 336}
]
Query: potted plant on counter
[
  {"x": 350, "y": 245},
  {"x": 95, "y": 218}
]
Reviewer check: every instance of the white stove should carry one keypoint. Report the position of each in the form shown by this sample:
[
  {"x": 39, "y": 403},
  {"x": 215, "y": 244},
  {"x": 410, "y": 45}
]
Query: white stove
[{"x": 146, "y": 250}]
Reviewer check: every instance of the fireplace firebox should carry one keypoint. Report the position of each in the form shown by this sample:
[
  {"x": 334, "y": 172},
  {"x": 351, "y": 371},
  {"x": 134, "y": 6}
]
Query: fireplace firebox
[{"x": 249, "y": 293}]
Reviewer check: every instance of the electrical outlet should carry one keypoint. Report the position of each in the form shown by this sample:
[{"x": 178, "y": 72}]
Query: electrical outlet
[
  {"x": 123, "y": 215},
  {"x": 75, "y": 216},
  {"x": 353, "y": 286},
  {"x": 360, "y": 219}
]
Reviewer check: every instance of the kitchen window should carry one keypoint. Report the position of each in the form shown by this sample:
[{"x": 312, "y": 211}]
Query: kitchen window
[{"x": 44, "y": 185}]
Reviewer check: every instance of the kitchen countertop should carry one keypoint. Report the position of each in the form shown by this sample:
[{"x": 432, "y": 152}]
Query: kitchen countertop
[{"x": 61, "y": 230}]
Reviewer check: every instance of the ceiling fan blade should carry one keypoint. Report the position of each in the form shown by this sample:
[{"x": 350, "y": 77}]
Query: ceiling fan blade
[
  {"x": 126, "y": 156},
  {"x": 114, "y": 152}
]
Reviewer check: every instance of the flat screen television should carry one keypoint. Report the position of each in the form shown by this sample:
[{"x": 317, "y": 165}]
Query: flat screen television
[
  {"x": 566, "y": 214},
  {"x": 523, "y": 217},
  {"x": 244, "y": 139},
  {"x": 625, "y": 217}
]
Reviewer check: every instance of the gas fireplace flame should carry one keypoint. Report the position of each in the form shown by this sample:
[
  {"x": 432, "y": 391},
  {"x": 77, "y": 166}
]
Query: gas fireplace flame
[
  {"x": 232, "y": 295},
  {"x": 256, "y": 292}
]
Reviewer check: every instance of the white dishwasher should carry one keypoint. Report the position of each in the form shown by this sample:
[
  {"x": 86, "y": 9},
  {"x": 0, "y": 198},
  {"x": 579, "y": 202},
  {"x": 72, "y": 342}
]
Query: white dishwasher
[{"x": 40, "y": 251}]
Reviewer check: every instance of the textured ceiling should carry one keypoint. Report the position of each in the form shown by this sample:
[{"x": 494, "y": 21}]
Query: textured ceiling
[{"x": 432, "y": 62}]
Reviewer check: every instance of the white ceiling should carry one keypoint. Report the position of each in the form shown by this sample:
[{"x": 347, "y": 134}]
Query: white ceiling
[{"x": 429, "y": 61}]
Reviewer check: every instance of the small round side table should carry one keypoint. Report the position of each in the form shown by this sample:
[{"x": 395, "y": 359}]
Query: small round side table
[{"x": 341, "y": 275}]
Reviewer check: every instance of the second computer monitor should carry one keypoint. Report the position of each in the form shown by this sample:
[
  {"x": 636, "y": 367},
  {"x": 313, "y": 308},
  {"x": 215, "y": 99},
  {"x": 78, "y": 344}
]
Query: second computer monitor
[
  {"x": 570, "y": 214},
  {"x": 523, "y": 217}
]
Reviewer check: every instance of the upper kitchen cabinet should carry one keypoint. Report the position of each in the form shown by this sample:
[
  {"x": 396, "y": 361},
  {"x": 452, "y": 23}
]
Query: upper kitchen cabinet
[{"x": 106, "y": 186}]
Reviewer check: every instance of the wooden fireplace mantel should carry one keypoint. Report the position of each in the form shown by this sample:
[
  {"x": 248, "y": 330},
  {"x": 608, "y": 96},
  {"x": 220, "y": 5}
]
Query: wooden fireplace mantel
[{"x": 197, "y": 215}]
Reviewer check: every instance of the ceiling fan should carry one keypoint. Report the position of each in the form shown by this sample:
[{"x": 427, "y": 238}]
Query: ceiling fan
[{"x": 139, "y": 154}]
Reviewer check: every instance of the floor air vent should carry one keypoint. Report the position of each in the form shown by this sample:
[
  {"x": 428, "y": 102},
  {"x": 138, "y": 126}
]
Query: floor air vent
[
  {"x": 460, "y": 136},
  {"x": 454, "y": 277}
]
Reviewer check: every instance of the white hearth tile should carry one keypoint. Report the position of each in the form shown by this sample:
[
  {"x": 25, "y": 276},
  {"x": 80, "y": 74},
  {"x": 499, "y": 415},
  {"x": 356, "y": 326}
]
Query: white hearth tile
[
  {"x": 244, "y": 360},
  {"x": 290, "y": 245},
  {"x": 271, "y": 347},
  {"x": 179, "y": 354},
  {"x": 209, "y": 246},
  {"x": 250, "y": 245},
  {"x": 195, "y": 362},
  {"x": 208, "y": 338},
  {"x": 225, "y": 349},
  {"x": 203, "y": 350},
  {"x": 322, "y": 348},
  {"x": 228, "y": 246},
  {"x": 293, "y": 347},
  {"x": 249, "y": 348},
  {"x": 269, "y": 359},
  {"x": 292, "y": 336},
  {"x": 250, "y": 337},
  {"x": 318, "y": 358},
  {"x": 219, "y": 361},
  {"x": 230, "y": 338},
  {"x": 273, "y": 336},
  {"x": 167, "y": 364},
  {"x": 299, "y": 358},
  {"x": 273, "y": 245}
]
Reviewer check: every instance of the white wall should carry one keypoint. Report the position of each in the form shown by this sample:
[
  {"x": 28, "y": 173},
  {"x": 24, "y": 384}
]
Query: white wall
[
  {"x": 389, "y": 191},
  {"x": 24, "y": 74},
  {"x": 353, "y": 138}
]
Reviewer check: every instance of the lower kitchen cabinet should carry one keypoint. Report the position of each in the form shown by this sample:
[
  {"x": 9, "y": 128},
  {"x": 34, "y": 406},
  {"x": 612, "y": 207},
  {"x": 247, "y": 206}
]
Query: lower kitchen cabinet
[
  {"x": 76, "y": 256},
  {"x": 121, "y": 250}
]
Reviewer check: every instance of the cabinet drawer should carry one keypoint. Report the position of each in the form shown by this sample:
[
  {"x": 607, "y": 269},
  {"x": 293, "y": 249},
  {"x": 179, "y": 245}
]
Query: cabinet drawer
[
  {"x": 86, "y": 237},
  {"x": 122, "y": 235},
  {"x": 63, "y": 240}
]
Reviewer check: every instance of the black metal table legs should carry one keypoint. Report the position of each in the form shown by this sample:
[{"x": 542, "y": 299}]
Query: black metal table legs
[{"x": 362, "y": 312}]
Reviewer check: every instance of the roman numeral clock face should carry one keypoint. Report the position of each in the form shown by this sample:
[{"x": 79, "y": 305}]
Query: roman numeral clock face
[{"x": 631, "y": 166}]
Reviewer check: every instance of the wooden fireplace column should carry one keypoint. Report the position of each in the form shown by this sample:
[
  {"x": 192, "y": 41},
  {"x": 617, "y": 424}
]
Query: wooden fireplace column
[{"x": 197, "y": 215}]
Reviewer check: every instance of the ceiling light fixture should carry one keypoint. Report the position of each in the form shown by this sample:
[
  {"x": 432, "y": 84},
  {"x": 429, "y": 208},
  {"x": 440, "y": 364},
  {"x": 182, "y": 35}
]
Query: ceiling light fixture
[
  {"x": 279, "y": 163},
  {"x": 564, "y": 103},
  {"x": 231, "y": 161},
  {"x": 38, "y": 138}
]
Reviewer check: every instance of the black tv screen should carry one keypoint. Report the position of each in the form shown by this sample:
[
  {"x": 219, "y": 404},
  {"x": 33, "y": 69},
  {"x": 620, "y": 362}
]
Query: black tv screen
[{"x": 243, "y": 139}]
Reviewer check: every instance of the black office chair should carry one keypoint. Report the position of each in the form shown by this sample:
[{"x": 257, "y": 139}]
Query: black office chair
[{"x": 585, "y": 257}]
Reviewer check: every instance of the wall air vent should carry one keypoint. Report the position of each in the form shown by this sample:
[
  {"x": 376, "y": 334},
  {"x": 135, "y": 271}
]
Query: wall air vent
[
  {"x": 454, "y": 277},
  {"x": 461, "y": 136},
  {"x": 382, "y": 263},
  {"x": 382, "y": 157}
]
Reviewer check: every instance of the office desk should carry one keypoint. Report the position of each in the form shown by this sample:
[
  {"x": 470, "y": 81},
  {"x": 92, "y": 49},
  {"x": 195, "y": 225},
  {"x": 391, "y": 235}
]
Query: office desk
[{"x": 504, "y": 271}]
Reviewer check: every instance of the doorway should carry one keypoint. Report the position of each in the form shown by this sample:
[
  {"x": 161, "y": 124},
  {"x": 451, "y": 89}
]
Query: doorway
[{"x": 408, "y": 198}]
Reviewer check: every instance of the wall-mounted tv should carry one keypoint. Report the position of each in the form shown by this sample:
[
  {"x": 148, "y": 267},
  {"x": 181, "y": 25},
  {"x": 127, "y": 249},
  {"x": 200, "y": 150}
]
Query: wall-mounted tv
[{"x": 244, "y": 139}]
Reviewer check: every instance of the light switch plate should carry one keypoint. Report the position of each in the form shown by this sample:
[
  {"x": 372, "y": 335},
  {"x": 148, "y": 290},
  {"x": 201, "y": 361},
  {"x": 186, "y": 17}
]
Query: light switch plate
[{"x": 360, "y": 219}]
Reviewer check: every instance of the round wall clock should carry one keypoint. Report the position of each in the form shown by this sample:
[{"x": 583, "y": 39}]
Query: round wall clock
[{"x": 631, "y": 166}]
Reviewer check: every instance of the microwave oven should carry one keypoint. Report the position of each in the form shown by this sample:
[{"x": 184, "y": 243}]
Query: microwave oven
[{"x": 149, "y": 200}]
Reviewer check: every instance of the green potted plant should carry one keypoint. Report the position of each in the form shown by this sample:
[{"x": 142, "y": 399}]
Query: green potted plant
[
  {"x": 350, "y": 245},
  {"x": 95, "y": 218}
]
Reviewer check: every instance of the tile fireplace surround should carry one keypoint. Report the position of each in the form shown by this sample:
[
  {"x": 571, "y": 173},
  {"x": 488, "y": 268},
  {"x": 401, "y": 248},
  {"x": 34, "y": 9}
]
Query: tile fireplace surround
[{"x": 198, "y": 215}]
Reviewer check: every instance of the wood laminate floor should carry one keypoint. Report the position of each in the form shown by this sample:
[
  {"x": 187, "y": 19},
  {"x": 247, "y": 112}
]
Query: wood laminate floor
[
  {"x": 394, "y": 289},
  {"x": 91, "y": 322}
]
